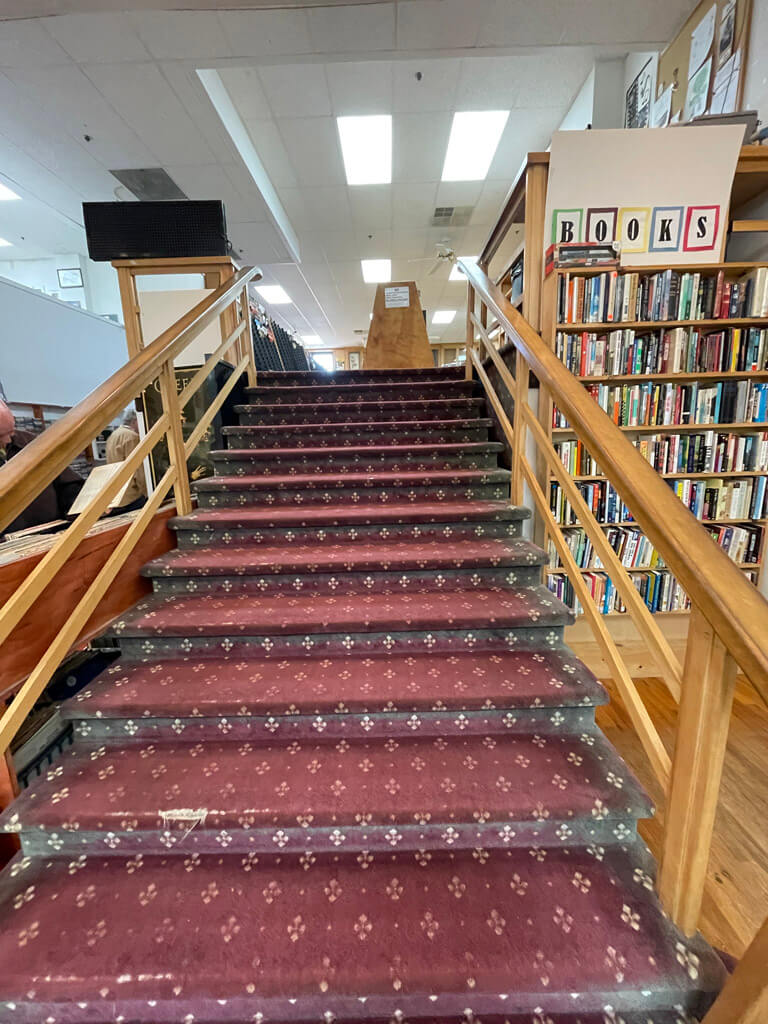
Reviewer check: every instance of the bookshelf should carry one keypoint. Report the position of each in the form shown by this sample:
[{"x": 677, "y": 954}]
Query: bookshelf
[{"x": 678, "y": 357}]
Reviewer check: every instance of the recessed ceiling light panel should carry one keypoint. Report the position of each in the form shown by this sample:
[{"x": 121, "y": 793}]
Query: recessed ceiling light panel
[
  {"x": 474, "y": 139},
  {"x": 457, "y": 274},
  {"x": 312, "y": 340},
  {"x": 4, "y": 242},
  {"x": 274, "y": 294},
  {"x": 7, "y": 193},
  {"x": 443, "y": 316},
  {"x": 376, "y": 271},
  {"x": 366, "y": 146}
]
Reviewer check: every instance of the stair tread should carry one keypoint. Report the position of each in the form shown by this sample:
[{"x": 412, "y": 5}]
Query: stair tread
[
  {"x": 365, "y": 403},
  {"x": 333, "y": 478},
  {"x": 361, "y": 683},
  {"x": 502, "y": 933},
  {"x": 359, "y": 514},
  {"x": 447, "y": 448},
  {"x": 369, "y": 556},
  {"x": 349, "y": 426},
  {"x": 394, "y": 781},
  {"x": 247, "y": 614},
  {"x": 346, "y": 387}
]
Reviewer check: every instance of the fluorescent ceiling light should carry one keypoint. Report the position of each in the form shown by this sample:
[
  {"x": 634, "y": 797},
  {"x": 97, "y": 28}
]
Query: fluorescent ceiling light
[
  {"x": 4, "y": 241},
  {"x": 274, "y": 294},
  {"x": 6, "y": 193},
  {"x": 376, "y": 271},
  {"x": 443, "y": 316},
  {"x": 457, "y": 274},
  {"x": 311, "y": 340},
  {"x": 366, "y": 145},
  {"x": 472, "y": 144}
]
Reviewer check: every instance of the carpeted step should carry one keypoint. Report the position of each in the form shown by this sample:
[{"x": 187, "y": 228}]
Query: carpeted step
[
  {"x": 372, "y": 793},
  {"x": 342, "y": 412},
  {"x": 222, "y": 938},
  {"x": 317, "y": 435},
  {"x": 380, "y": 566},
  {"x": 417, "y": 621},
  {"x": 391, "y": 458},
  {"x": 290, "y": 524},
  {"x": 337, "y": 392},
  {"x": 350, "y": 488},
  {"x": 278, "y": 378}
]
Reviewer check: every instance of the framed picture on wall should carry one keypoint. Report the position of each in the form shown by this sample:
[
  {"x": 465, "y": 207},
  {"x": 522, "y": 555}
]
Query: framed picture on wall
[
  {"x": 70, "y": 277},
  {"x": 354, "y": 360}
]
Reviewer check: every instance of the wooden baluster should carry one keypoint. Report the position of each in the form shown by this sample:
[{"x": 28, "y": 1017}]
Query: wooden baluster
[
  {"x": 470, "y": 343},
  {"x": 175, "y": 438},
  {"x": 248, "y": 338},
  {"x": 744, "y": 1000},
  {"x": 518, "y": 448},
  {"x": 709, "y": 677}
]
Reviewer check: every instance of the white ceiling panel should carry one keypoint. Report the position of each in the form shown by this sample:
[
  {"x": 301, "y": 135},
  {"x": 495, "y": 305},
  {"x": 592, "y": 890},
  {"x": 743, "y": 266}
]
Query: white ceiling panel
[
  {"x": 97, "y": 38},
  {"x": 314, "y": 149},
  {"x": 186, "y": 84},
  {"x": 296, "y": 90},
  {"x": 371, "y": 206},
  {"x": 269, "y": 144},
  {"x": 439, "y": 24},
  {"x": 25, "y": 43},
  {"x": 181, "y": 34},
  {"x": 259, "y": 242},
  {"x": 245, "y": 84},
  {"x": 266, "y": 33},
  {"x": 419, "y": 143},
  {"x": 353, "y": 29},
  {"x": 360, "y": 88},
  {"x": 413, "y": 203},
  {"x": 458, "y": 193},
  {"x": 326, "y": 208},
  {"x": 435, "y": 90},
  {"x": 501, "y": 83}
]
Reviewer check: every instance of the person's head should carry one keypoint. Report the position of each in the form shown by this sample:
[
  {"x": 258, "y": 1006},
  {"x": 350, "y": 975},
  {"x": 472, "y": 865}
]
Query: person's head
[
  {"x": 7, "y": 424},
  {"x": 131, "y": 420}
]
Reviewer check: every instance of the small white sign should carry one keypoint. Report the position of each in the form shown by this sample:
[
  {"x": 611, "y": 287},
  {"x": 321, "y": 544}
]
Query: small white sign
[{"x": 397, "y": 298}]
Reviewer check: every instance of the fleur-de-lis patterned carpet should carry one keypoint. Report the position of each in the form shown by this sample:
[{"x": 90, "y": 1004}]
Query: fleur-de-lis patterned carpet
[{"x": 345, "y": 769}]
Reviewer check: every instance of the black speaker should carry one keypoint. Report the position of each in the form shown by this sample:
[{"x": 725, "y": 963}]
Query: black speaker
[{"x": 172, "y": 229}]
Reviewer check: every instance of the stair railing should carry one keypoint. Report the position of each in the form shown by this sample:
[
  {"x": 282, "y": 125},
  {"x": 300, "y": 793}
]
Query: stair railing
[
  {"x": 729, "y": 618},
  {"x": 40, "y": 462}
]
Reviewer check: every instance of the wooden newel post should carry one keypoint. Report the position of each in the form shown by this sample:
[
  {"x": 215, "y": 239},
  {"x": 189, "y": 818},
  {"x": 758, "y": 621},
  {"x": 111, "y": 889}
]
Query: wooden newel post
[
  {"x": 175, "y": 437},
  {"x": 702, "y": 733}
]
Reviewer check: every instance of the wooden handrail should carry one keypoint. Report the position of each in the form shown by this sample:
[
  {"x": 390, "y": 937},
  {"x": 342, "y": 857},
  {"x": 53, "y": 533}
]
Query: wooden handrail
[
  {"x": 41, "y": 461},
  {"x": 728, "y": 601}
]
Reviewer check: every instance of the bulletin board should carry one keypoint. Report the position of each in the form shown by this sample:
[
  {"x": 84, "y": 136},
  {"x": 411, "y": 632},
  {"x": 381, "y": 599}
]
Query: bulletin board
[{"x": 675, "y": 61}]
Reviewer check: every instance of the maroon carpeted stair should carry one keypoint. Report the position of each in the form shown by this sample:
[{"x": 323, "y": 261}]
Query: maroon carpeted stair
[{"x": 345, "y": 769}]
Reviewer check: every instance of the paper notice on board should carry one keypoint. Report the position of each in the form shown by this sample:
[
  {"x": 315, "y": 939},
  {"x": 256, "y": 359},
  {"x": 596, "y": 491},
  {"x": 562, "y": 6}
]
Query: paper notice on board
[
  {"x": 725, "y": 90},
  {"x": 661, "y": 109},
  {"x": 702, "y": 38},
  {"x": 397, "y": 298},
  {"x": 698, "y": 91}
]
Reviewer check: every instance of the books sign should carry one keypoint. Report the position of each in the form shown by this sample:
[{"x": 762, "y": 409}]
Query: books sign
[{"x": 662, "y": 195}]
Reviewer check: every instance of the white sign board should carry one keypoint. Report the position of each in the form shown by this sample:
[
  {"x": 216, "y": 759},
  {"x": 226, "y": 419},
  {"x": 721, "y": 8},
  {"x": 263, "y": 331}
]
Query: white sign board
[
  {"x": 662, "y": 193},
  {"x": 397, "y": 298}
]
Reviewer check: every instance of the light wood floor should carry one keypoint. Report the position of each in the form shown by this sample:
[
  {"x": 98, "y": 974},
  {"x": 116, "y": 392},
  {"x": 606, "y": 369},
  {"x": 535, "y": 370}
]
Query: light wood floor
[{"x": 736, "y": 901}]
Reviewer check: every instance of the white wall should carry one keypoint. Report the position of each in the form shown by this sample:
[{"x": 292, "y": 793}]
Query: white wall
[
  {"x": 51, "y": 353},
  {"x": 600, "y": 101},
  {"x": 579, "y": 115},
  {"x": 41, "y": 275}
]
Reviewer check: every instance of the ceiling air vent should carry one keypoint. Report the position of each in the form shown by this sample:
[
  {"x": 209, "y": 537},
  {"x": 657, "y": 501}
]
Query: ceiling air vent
[
  {"x": 451, "y": 216},
  {"x": 149, "y": 183}
]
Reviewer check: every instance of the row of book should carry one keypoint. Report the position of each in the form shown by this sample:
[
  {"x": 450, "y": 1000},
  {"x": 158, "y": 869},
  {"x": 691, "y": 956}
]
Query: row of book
[
  {"x": 707, "y": 452},
  {"x": 742, "y": 543},
  {"x": 676, "y": 350},
  {"x": 658, "y": 588},
  {"x": 669, "y": 404},
  {"x": 666, "y": 295},
  {"x": 708, "y": 499}
]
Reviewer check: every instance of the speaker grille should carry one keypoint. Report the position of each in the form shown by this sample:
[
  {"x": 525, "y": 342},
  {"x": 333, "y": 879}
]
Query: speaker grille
[{"x": 155, "y": 230}]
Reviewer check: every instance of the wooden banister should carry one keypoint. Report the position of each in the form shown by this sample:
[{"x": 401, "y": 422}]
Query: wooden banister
[
  {"x": 727, "y": 600},
  {"x": 41, "y": 461}
]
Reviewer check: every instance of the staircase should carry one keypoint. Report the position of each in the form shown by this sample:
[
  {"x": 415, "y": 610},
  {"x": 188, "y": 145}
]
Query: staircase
[{"x": 345, "y": 769}]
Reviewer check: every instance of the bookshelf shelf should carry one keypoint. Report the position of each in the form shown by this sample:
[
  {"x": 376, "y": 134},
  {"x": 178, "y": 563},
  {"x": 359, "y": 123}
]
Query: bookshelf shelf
[
  {"x": 746, "y": 521},
  {"x": 686, "y": 476},
  {"x": 681, "y": 378},
  {"x": 680, "y": 428},
  {"x": 745, "y": 566},
  {"x": 657, "y": 325},
  {"x": 683, "y": 268}
]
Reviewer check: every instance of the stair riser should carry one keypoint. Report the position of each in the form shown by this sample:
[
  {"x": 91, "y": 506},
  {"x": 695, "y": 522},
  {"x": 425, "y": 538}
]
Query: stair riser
[
  {"x": 278, "y": 378},
  {"x": 223, "y": 835},
  {"x": 353, "y": 534},
  {"x": 227, "y": 464},
  {"x": 399, "y": 581},
  {"x": 253, "y": 415},
  {"x": 438, "y": 391},
  {"x": 285, "y": 437},
  {"x": 277, "y": 645},
  {"x": 285, "y": 728},
  {"x": 351, "y": 495}
]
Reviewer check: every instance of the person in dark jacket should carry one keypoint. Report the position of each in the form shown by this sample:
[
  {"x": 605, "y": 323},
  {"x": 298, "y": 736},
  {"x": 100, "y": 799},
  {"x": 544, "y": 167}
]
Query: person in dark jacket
[{"x": 55, "y": 500}]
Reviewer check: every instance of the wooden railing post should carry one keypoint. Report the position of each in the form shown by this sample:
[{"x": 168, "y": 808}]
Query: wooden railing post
[
  {"x": 702, "y": 733},
  {"x": 518, "y": 448},
  {"x": 744, "y": 1000},
  {"x": 175, "y": 438},
  {"x": 470, "y": 342},
  {"x": 248, "y": 337}
]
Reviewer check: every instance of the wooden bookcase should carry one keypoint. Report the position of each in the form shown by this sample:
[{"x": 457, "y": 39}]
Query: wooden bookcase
[{"x": 555, "y": 330}]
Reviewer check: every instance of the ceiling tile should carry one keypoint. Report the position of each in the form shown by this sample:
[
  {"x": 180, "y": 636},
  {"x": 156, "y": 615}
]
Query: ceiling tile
[
  {"x": 97, "y": 38},
  {"x": 296, "y": 90},
  {"x": 458, "y": 193},
  {"x": 434, "y": 91},
  {"x": 181, "y": 34},
  {"x": 371, "y": 206},
  {"x": 360, "y": 28},
  {"x": 327, "y": 208},
  {"x": 413, "y": 203},
  {"x": 246, "y": 91},
  {"x": 259, "y": 242},
  {"x": 439, "y": 24},
  {"x": 502, "y": 83},
  {"x": 314, "y": 150},
  {"x": 266, "y": 33},
  {"x": 272, "y": 152},
  {"x": 419, "y": 143},
  {"x": 360, "y": 88},
  {"x": 27, "y": 44}
]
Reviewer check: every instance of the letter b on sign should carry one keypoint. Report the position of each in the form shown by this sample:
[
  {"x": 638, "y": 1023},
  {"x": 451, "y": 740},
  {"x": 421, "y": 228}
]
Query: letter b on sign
[
  {"x": 567, "y": 226},
  {"x": 701, "y": 224}
]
